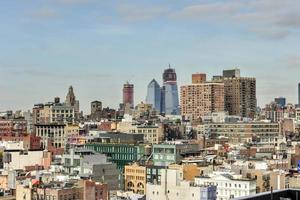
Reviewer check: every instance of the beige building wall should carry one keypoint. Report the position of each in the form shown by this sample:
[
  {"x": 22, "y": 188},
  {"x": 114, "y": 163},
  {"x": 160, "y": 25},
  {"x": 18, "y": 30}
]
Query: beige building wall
[
  {"x": 72, "y": 129},
  {"x": 190, "y": 171},
  {"x": 135, "y": 178},
  {"x": 152, "y": 134},
  {"x": 4, "y": 182},
  {"x": 198, "y": 100},
  {"x": 23, "y": 193},
  {"x": 262, "y": 179},
  {"x": 279, "y": 180},
  {"x": 19, "y": 160}
]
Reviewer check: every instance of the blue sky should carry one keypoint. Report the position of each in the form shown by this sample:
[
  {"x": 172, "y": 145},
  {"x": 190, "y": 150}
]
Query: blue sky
[{"x": 97, "y": 45}]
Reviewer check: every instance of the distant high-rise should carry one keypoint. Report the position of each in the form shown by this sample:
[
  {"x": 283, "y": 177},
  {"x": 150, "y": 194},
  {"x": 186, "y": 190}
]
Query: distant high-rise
[
  {"x": 71, "y": 101},
  {"x": 154, "y": 95},
  {"x": 240, "y": 93},
  {"x": 171, "y": 101},
  {"x": 128, "y": 94},
  {"x": 169, "y": 75},
  {"x": 280, "y": 101},
  {"x": 70, "y": 98},
  {"x": 201, "y": 98}
]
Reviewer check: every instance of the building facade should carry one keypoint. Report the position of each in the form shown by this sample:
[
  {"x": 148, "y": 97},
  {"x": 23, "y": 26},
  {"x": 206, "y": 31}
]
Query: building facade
[
  {"x": 170, "y": 153},
  {"x": 240, "y": 93},
  {"x": 173, "y": 187},
  {"x": 201, "y": 99},
  {"x": 228, "y": 186},
  {"x": 170, "y": 92},
  {"x": 128, "y": 94},
  {"x": 13, "y": 127},
  {"x": 121, "y": 154},
  {"x": 51, "y": 133},
  {"x": 198, "y": 78},
  {"x": 135, "y": 178},
  {"x": 72, "y": 102},
  {"x": 154, "y": 95},
  {"x": 240, "y": 132}
]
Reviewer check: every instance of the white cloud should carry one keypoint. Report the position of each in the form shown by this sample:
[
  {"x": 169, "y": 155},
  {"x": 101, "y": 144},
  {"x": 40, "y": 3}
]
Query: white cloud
[
  {"x": 209, "y": 10},
  {"x": 266, "y": 18}
]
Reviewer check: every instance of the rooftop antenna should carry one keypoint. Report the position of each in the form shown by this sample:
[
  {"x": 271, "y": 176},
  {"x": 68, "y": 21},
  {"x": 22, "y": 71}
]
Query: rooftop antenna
[{"x": 169, "y": 66}]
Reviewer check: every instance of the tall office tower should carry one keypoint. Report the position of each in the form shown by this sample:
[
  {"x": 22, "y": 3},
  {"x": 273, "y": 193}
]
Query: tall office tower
[
  {"x": 240, "y": 93},
  {"x": 171, "y": 102},
  {"x": 280, "y": 101},
  {"x": 71, "y": 101},
  {"x": 198, "y": 78},
  {"x": 154, "y": 95},
  {"x": 128, "y": 94},
  {"x": 201, "y": 98}
]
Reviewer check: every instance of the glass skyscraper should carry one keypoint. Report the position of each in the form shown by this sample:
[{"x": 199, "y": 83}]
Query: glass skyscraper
[
  {"x": 171, "y": 101},
  {"x": 154, "y": 95},
  {"x": 164, "y": 99}
]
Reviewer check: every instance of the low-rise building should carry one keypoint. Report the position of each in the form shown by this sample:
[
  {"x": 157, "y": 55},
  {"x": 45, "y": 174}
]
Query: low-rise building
[
  {"x": 228, "y": 185},
  {"x": 94, "y": 190},
  {"x": 171, "y": 152},
  {"x": 135, "y": 178},
  {"x": 173, "y": 187},
  {"x": 241, "y": 132}
]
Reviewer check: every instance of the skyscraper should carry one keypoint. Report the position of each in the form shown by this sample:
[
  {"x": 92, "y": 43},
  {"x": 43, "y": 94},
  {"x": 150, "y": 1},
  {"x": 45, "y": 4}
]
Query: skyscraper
[
  {"x": 154, "y": 95},
  {"x": 128, "y": 94},
  {"x": 240, "y": 93},
  {"x": 170, "y": 91},
  {"x": 201, "y": 98}
]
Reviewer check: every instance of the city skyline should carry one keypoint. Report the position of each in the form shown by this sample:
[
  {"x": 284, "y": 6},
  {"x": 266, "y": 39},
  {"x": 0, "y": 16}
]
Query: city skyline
[
  {"x": 97, "y": 46},
  {"x": 85, "y": 106}
]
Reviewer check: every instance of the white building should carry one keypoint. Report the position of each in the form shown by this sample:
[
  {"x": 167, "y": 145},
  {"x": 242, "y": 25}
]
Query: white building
[
  {"x": 229, "y": 186},
  {"x": 19, "y": 159},
  {"x": 54, "y": 133},
  {"x": 174, "y": 187}
]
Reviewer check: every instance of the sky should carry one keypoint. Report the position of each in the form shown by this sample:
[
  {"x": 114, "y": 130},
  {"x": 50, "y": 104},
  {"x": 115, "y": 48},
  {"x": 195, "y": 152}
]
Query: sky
[{"x": 97, "y": 45}]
